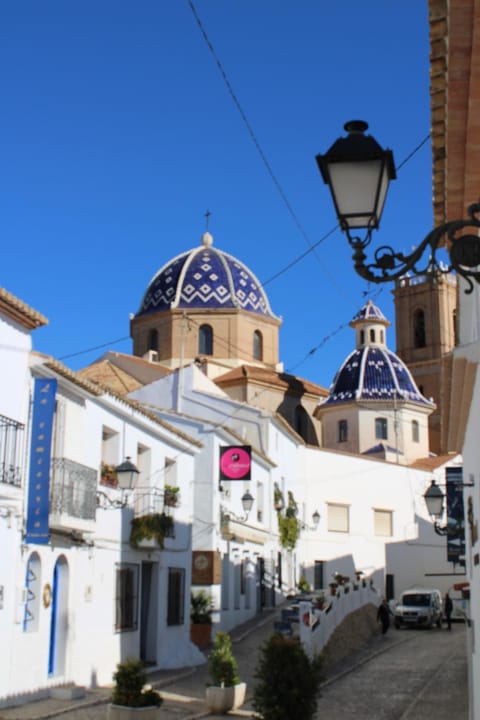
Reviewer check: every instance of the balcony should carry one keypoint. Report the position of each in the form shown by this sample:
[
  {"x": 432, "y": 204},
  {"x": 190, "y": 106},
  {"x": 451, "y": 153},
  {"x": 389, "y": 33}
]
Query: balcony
[
  {"x": 11, "y": 439},
  {"x": 72, "y": 496}
]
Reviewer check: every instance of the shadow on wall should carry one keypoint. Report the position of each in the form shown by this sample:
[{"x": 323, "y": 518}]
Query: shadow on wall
[{"x": 293, "y": 411}]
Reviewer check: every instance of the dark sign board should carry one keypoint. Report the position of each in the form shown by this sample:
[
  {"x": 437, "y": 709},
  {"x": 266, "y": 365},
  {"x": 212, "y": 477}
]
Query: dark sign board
[{"x": 455, "y": 516}]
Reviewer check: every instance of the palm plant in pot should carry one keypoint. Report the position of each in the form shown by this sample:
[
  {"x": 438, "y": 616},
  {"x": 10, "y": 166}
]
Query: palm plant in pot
[
  {"x": 227, "y": 692},
  {"x": 131, "y": 697},
  {"x": 201, "y": 608}
]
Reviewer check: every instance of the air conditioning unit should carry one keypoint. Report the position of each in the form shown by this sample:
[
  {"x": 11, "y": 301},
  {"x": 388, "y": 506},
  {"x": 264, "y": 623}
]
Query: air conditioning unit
[{"x": 151, "y": 356}]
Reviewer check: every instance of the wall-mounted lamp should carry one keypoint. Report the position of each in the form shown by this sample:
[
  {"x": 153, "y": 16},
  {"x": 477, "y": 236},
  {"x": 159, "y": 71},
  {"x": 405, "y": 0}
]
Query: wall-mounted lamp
[
  {"x": 126, "y": 474},
  {"x": 315, "y": 520},
  {"x": 247, "y": 504},
  {"x": 358, "y": 172},
  {"x": 434, "y": 499}
]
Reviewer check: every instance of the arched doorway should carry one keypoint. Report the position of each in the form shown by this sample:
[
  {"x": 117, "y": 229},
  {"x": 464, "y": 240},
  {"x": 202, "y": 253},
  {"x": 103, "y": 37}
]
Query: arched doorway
[{"x": 58, "y": 619}]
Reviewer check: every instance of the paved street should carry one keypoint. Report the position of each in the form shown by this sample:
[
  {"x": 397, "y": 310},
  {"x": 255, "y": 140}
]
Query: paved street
[
  {"x": 420, "y": 675},
  {"x": 405, "y": 675}
]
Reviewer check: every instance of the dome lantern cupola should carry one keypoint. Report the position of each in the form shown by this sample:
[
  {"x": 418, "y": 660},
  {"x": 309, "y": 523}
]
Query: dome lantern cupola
[{"x": 370, "y": 326}]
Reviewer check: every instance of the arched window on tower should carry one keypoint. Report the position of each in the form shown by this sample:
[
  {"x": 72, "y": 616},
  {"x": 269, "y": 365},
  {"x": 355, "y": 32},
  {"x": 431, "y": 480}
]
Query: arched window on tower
[
  {"x": 419, "y": 340},
  {"x": 153, "y": 340},
  {"x": 257, "y": 345},
  {"x": 415, "y": 431},
  {"x": 205, "y": 340},
  {"x": 455, "y": 327},
  {"x": 372, "y": 335}
]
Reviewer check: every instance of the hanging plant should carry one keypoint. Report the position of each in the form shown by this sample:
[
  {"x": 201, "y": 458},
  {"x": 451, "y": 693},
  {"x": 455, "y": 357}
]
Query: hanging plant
[
  {"x": 288, "y": 524},
  {"x": 156, "y": 526},
  {"x": 278, "y": 499}
]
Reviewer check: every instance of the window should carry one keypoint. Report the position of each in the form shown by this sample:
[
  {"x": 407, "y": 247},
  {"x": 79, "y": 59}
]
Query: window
[
  {"x": 176, "y": 596},
  {"x": 415, "y": 431},
  {"x": 205, "y": 340},
  {"x": 260, "y": 501},
  {"x": 382, "y": 522},
  {"x": 318, "y": 575},
  {"x": 153, "y": 340},
  {"x": 372, "y": 335},
  {"x": 419, "y": 340},
  {"x": 126, "y": 596},
  {"x": 362, "y": 337},
  {"x": 381, "y": 428},
  {"x": 342, "y": 431},
  {"x": 11, "y": 438},
  {"x": 338, "y": 518},
  {"x": 257, "y": 345}
]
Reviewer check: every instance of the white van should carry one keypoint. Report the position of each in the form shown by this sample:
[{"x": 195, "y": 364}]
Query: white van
[{"x": 419, "y": 607}]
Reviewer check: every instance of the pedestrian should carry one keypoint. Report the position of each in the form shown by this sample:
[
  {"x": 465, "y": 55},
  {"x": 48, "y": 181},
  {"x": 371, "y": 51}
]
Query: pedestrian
[
  {"x": 448, "y": 606},
  {"x": 383, "y": 614}
]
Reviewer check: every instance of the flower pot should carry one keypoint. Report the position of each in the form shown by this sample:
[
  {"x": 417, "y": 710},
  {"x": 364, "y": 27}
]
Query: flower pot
[
  {"x": 201, "y": 634},
  {"x": 122, "y": 712},
  {"x": 223, "y": 699}
]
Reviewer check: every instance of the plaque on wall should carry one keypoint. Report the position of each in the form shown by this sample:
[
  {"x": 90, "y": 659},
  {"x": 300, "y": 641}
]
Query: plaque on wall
[{"x": 206, "y": 567}]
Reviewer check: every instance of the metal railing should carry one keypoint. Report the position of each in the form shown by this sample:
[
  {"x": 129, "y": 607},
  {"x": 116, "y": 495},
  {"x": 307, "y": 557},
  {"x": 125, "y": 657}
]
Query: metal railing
[
  {"x": 11, "y": 436},
  {"x": 72, "y": 489}
]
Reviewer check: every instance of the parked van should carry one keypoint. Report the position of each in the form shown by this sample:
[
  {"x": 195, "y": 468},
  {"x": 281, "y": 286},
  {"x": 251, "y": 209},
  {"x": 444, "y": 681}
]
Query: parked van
[{"x": 419, "y": 607}]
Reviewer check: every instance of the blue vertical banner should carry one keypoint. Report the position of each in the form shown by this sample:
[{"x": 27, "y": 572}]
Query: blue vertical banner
[
  {"x": 40, "y": 447},
  {"x": 455, "y": 516}
]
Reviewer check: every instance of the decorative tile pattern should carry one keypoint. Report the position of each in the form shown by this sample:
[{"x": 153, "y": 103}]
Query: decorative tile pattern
[
  {"x": 205, "y": 278},
  {"x": 373, "y": 373}
]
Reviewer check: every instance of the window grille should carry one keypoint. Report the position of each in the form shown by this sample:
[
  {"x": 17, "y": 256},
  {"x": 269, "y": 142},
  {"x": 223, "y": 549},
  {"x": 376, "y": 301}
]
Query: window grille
[
  {"x": 126, "y": 597},
  {"x": 11, "y": 437}
]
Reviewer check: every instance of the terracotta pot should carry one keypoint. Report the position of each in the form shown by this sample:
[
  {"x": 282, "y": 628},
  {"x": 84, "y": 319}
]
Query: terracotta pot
[
  {"x": 201, "y": 634},
  {"x": 223, "y": 699}
]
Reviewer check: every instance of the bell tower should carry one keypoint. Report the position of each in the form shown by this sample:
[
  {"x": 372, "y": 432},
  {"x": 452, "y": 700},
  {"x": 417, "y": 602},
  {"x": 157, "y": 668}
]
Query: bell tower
[{"x": 425, "y": 322}]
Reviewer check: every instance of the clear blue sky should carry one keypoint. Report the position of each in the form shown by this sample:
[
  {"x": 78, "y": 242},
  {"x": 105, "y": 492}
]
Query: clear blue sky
[{"x": 117, "y": 132}]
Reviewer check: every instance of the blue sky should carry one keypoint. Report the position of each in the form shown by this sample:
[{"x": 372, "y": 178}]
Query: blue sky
[{"x": 118, "y": 131}]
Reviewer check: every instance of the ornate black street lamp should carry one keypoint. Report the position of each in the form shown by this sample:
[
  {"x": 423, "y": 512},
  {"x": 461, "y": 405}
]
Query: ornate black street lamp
[
  {"x": 434, "y": 499},
  {"x": 358, "y": 172}
]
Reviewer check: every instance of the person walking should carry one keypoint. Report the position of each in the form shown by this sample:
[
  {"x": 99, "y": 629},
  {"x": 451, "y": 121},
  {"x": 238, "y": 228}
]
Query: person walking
[
  {"x": 383, "y": 614},
  {"x": 448, "y": 607}
]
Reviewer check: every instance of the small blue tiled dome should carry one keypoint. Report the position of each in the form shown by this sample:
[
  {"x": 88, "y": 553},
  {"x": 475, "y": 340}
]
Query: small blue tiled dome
[
  {"x": 372, "y": 371},
  {"x": 205, "y": 278}
]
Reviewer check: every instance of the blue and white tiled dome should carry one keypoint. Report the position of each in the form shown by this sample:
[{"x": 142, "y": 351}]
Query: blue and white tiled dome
[
  {"x": 205, "y": 278},
  {"x": 372, "y": 371}
]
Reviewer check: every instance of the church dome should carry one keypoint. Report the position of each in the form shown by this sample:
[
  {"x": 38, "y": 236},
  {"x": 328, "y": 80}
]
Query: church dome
[
  {"x": 205, "y": 278},
  {"x": 372, "y": 371}
]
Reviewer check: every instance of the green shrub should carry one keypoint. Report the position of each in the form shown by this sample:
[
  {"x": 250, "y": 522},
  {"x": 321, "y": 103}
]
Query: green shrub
[
  {"x": 130, "y": 679},
  {"x": 222, "y": 665},
  {"x": 303, "y": 585},
  {"x": 287, "y": 681}
]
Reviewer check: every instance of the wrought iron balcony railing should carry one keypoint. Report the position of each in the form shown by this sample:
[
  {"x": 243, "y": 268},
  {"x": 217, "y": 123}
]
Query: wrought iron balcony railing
[
  {"x": 11, "y": 437},
  {"x": 72, "y": 494}
]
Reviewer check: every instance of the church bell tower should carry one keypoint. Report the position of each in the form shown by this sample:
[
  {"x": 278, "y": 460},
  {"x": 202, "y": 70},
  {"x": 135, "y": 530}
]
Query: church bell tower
[{"x": 425, "y": 321}]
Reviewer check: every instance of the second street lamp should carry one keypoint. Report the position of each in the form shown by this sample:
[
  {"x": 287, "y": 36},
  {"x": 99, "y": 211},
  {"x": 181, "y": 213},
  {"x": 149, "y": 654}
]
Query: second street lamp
[{"x": 358, "y": 172}]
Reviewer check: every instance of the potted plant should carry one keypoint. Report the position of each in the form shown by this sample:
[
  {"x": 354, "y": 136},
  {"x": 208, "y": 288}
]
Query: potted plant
[
  {"x": 227, "y": 692},
  {"x": 303, "y": 585},
  {"x": 131, "y": 697},
  {"x": 171, "y": 495},
  {"x": 201, "y": 608},
  {"x": 108, "y": 476},
  {"x": 287, "y": 681},
  {"x": 154, "y": 527}
]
